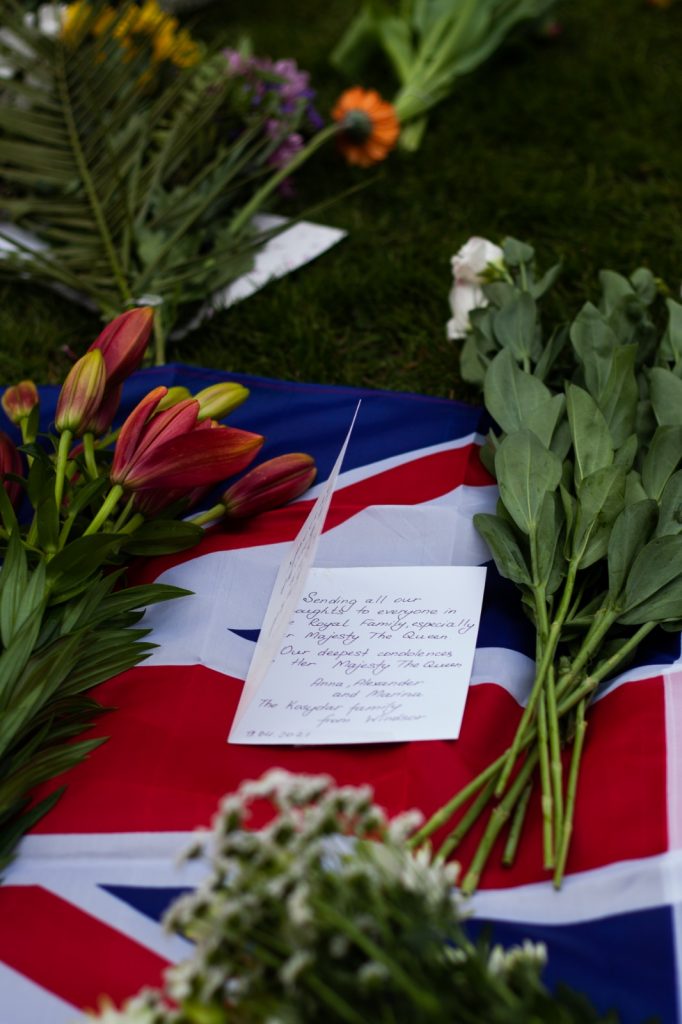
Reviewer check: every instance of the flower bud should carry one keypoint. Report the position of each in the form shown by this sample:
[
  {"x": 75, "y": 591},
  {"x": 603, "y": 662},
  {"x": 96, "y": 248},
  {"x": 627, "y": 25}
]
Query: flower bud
[
  {"x": 219, "y": 400},
  {"x": 81, "y": 394},
  {"x": 269, "y": 485},
  {"x": 172, "y": 397},
  {"x": 10, "y": 462},
  {"x": 123, "y": 342},
  {"x": 19, "y": 400}
]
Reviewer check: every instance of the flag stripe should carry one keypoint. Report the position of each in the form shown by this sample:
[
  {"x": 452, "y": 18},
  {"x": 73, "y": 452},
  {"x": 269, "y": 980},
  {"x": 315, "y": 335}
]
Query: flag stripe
[{"x": 67, "y": 951}]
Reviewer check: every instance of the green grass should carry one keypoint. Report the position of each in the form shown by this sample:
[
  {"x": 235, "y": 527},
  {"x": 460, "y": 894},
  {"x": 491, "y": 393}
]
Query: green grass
[{"x": 571, "y": 144}]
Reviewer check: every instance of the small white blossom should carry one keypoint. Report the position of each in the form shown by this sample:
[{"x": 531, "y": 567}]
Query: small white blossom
[{"x": 468, "y": 267}]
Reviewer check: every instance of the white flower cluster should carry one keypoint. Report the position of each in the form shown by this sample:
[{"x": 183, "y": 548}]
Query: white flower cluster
[{"x": 324, "y": 910}]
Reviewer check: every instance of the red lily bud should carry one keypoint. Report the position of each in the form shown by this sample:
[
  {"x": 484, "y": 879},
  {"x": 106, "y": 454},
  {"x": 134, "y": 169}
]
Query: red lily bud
[
  {"x": 172, "y": 450},
  {"x": 123, "y": 341},
  {"x": 19, "y": 400},
  {"x": 219, "y": 400},
  {"x": 10, "y": 462},
  {"x": 104, "y": 416},
  {"x": 269, "y": 485},
  {"x": 81, "y": 394}
]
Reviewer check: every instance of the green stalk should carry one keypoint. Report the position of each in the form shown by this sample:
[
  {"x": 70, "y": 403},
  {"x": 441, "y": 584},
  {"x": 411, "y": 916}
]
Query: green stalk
[
  {"x": 512, "y": 844},
  {"x": 89, "y": 453},
  {"x": 567, "y": 828},
  {"x": 108, "y": 506},
  {"x": 454, "y": 838},
  {"x": 254, "y": 204},
  {"x": 209, "y": 516},
  {"x": 427, "y": 1000},
  {"x": 137, "y": 520},
  {"x": 556, "y": 764},
  {"x": 604, "y": 669},
  {"x": 498, "y": 817},
  {"x": 547, "y": 802},
  {"x": 442, "y": 816},
  {"x": 159, "y": 341},
  {"x": 62, "y": 457},
  {"x": 541, "y": 671},
  {"x": 120, "y": 522}
]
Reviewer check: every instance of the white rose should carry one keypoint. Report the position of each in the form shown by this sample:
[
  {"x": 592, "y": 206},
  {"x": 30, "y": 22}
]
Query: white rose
[
  {"x": 469, "y": 263},
  {"x": 467, "y": 267}
]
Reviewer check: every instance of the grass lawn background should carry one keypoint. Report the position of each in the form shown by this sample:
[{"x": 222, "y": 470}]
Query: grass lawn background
[{"x": 572, "y": 144}]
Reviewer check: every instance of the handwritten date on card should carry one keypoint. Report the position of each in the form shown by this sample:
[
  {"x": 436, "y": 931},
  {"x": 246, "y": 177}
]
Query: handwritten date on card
[{"x": 371, "y": 655}]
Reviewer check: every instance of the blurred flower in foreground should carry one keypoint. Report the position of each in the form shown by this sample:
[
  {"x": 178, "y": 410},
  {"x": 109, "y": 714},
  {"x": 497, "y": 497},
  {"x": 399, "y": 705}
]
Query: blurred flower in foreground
[
  {"x": 469, "y": 266},
  {"x": 370, "y": 126}
]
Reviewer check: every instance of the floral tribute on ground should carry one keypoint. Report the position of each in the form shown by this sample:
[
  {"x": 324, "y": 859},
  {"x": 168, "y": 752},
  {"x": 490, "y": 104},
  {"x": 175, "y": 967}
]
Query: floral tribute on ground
[
  {"x": 75, "y": 506},
  {"x": 135, "y": 159},
  {"x": 586, "y": 452}
]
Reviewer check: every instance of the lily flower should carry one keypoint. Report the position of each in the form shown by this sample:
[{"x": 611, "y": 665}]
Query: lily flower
[
  {"x": 81, "y": 394},
  {"x": 173, "y": 450},
  {"x": 219, "y": 400},
  {"x": 123, "y": 343},
  {"x": 19, "y": 400},
  {"x": 10, "y": 462},
  {"x": 265, "y": 487},
  {"x": 270, "y": 485}
]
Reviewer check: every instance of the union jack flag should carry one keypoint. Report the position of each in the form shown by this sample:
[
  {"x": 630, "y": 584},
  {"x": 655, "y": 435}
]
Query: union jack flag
[{"x": 80, "y": 908}]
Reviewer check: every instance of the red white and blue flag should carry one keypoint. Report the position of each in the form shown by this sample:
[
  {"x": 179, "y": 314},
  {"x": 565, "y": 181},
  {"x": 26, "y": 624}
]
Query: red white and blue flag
[{"x": 80, "y": 908}]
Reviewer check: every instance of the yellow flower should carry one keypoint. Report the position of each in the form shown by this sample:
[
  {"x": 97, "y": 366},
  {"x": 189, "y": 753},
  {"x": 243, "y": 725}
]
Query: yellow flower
[{"x": 78, "y": 21}]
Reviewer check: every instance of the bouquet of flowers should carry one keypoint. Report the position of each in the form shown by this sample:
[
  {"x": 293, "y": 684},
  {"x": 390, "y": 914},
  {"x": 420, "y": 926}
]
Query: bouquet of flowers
[
  {"x": 135, "y": 158},
  {"x": 73, "y": 511},
  {"x": 586, "y": 453},
  {"x": 323, "y": 913}
]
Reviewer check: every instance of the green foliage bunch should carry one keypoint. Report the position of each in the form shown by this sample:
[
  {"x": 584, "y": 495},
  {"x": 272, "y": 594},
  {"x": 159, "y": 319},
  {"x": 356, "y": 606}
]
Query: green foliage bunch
[
  {"x": 324, "y": 914},
  {"x": 586, "y": 453}
]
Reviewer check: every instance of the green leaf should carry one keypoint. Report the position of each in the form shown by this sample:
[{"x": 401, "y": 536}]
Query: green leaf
[
  {"x": 592, "y": 442},
  {"x": 670, "y": 511},
  {"x": 615, "y": 288},
  {"x": 601, "y": 497},
  {"x": 626, "y": 454},
  {"x": 525, "y": 472},
  {"x": 618, "y": 401},
  {"x": 514, "y": 326},
  {"x": 162, "y": 537},
  {"x": 647, "y": 596},
  {"x": 666, "y": 396},
  {"x": 631, "y": 531},
  {"x": 662, "y": 459},
  {"x": 516, "y": 252},
  {"x": 80, "y": 560},
  {"x": 594, "y": 343},
  {"x": 671, "y": 343},
  {"x": 550, "y": 561},
  {"x": 644, "y": 284},
  {"x": 516, "y": 399},
  {"x": 540, "y": 287},
  {"x": 13, "y": 584},
  {"x": 504, "y": 547}
]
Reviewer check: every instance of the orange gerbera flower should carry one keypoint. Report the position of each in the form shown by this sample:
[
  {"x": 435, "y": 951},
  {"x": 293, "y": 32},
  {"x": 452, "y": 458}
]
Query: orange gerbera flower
[{"x": 370, "y": 127}]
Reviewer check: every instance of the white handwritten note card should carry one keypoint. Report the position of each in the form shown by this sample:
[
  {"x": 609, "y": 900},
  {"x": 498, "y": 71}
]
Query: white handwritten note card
[{"x": 371, "y": 655}]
